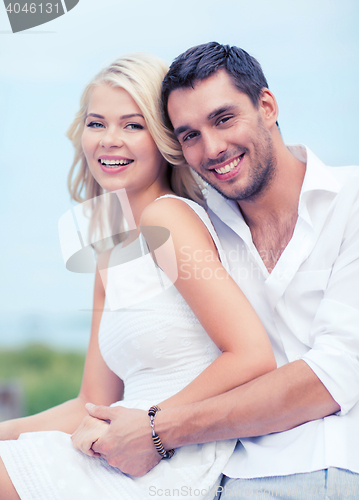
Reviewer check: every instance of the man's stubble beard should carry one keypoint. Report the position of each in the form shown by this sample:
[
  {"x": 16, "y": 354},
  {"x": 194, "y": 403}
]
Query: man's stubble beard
[{"x": 260, "y": 176}]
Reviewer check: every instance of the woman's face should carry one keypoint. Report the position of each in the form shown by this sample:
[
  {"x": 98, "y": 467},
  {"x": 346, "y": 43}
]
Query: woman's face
[{"x": 118, "y": 147}]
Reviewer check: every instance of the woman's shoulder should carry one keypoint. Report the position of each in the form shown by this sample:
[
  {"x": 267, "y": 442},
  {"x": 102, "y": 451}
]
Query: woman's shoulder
[
  {"x": 187, "y": 222},
  {"x": 174, "y": 212}
]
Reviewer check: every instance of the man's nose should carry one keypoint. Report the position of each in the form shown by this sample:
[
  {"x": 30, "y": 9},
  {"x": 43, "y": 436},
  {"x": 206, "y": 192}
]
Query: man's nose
[{"x": 213, "y": 144}]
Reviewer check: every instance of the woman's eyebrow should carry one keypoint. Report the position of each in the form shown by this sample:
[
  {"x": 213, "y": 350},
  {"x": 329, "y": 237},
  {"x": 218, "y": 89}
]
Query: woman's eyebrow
[
  {"x": 124, "y": 117},
  {"x": 95, "y": 115}
]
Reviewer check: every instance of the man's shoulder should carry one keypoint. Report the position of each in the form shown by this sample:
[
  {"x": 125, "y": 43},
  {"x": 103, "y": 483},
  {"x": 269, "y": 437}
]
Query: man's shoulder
[
  {"x": 324, "y": 177},
  {"x": 348, "y": 180},
  {"x": 345, "y": 174}
]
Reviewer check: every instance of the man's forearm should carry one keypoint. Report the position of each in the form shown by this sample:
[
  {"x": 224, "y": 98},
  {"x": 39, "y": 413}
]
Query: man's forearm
[{"x": 277, "y": 401}]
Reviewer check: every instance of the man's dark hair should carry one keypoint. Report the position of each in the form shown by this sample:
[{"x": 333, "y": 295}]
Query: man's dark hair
[{"x": 202, "y": 61}]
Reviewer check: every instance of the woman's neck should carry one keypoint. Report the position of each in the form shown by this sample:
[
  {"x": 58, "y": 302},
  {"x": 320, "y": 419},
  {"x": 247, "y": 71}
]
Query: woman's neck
[{"x": 133, "y": 202}]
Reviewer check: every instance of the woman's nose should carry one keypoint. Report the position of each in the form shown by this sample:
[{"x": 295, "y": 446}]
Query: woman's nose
[{"x": 111, "y": 138}]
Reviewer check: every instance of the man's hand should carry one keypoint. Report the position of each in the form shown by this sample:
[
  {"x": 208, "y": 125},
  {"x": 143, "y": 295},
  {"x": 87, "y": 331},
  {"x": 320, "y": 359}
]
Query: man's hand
[
  {"x": 127, "y": 443},
  {"x": 89, "y": 431}
]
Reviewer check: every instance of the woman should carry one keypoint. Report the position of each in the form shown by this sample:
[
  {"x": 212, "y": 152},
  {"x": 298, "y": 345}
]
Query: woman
[{"x": 171, "y": 346}]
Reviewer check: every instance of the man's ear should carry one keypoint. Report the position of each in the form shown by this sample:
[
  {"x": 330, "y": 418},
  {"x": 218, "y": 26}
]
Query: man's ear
[{"x": 269, "y": 108}]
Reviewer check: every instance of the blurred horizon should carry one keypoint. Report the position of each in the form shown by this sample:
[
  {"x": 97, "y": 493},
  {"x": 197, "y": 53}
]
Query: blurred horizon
[{"x": 309, "y": 52}]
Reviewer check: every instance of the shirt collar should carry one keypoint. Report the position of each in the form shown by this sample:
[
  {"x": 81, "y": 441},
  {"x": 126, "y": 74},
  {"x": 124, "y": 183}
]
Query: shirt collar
[{"x": 317, "y": 178}]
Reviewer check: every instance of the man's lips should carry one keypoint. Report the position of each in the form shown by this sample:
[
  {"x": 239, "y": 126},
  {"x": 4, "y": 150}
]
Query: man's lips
[{"x": 228, "y": 169}]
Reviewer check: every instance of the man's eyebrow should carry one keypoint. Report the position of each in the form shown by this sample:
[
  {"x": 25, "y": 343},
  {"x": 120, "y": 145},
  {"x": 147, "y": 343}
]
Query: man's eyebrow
[
  {"x": 181, "y": 129},
  {"x": 230, "y": 108}
]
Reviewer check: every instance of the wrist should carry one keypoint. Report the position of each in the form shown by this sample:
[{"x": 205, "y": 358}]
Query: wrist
[
  {"x": 170, "y": 423},
  {"x": 194, "y": 423},
  {"x": 9, "y": 430},
  {"x": 161, "y": 450}
]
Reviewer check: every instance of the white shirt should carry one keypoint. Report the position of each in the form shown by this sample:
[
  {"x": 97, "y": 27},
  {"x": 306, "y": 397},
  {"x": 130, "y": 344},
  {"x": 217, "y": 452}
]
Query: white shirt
[{"x": 309, "y": 305}]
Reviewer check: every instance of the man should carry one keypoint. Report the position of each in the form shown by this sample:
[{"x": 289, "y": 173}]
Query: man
[{"x": 289, "y": 225}]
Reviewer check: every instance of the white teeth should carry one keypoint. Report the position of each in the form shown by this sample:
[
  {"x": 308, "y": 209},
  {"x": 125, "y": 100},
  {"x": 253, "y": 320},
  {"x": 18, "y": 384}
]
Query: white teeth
[
  {"x": 227, "y": 168},
  {"x": 115, "y": 162}
]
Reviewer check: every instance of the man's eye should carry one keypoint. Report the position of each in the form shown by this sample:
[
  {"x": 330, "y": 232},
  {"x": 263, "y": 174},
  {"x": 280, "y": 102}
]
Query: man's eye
[
  {"x": 224, "y": 120},
  {"x": 94, "y": 125},
  {"x": 187, "y": 137}
]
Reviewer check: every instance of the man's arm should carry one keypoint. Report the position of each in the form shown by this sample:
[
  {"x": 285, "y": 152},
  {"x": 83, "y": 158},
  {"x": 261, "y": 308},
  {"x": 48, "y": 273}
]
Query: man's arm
[{"x": 274, "y": 402}]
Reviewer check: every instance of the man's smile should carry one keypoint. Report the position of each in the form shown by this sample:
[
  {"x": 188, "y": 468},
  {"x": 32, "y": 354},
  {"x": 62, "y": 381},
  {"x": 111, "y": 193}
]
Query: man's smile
[{"x": 229, "y": 169}]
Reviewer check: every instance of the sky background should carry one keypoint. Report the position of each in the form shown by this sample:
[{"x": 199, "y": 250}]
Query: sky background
[{"x": 309, "y": 51}]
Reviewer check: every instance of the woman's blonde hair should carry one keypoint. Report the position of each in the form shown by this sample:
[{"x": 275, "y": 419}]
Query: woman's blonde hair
[{"x": 141, "y": 76}]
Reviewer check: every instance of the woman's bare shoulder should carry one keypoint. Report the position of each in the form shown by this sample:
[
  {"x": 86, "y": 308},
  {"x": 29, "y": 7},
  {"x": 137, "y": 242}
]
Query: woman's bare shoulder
[
  {"x": 171, "y": 212},
  {"x": 181, "y": 220}
]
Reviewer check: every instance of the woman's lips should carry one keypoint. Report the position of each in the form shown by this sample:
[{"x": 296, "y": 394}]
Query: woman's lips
[{"x": 113, "y": 165}]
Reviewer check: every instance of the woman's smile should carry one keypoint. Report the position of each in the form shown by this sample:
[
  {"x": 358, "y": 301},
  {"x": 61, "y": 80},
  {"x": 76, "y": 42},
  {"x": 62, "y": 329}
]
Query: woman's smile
[
  {"x": 117, "y": 144},
  {"x": 113, "y": 164}
]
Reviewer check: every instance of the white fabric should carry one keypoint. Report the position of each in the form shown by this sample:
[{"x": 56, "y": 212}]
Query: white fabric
[
  {"x": 157, "y": 346},
  {"x": 309, "y": 306}
]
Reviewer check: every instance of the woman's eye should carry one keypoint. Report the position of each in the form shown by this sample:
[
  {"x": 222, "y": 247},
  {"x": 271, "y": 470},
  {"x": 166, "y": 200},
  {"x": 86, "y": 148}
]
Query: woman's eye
[
  {"x": 94, "y": 125},
  {"x": 134, "y": 126}
]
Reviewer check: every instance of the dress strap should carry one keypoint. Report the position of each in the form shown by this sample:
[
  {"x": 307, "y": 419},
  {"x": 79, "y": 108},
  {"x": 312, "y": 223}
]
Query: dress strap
[
  {"x": 202, "y": 214},
  {"x": 143, "y": 245}
]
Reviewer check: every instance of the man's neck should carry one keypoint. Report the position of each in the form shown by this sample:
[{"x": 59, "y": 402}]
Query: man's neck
[{"x": 272, "y": 216}]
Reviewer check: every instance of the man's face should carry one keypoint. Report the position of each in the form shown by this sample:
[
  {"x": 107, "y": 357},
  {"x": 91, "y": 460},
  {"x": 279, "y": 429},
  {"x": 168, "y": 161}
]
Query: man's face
[{"x": 224, "y": 137}]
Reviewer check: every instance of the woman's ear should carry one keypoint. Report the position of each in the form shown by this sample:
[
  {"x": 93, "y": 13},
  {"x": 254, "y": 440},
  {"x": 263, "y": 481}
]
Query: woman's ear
[{"x": 269, "y": 107}]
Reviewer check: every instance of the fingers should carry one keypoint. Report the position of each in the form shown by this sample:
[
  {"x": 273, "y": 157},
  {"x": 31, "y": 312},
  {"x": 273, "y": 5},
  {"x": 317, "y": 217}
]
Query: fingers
[
  {"x": 94, "y": 452},
  {"x": 87, "y": 434},
  {"x": 101, "y": 412},
  {"x": 83, "y": 444}
]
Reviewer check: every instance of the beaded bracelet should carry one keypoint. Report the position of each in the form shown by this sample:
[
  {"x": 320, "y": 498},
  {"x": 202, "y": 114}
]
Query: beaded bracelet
[{"x": 155, "y": 437}]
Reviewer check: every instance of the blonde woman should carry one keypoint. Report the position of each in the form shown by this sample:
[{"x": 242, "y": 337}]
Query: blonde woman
[{"x": 196, "y": 339}]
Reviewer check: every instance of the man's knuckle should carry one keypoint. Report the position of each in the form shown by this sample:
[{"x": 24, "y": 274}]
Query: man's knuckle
[{"x": 114, "y": 463}]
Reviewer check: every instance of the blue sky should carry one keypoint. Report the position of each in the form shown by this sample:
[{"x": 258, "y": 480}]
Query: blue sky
[{"x": 309, "y": 50}]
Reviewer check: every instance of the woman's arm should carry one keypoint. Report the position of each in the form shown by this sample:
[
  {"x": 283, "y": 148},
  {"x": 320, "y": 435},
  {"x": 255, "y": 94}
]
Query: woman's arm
[
  {"x": 99, "y": 384},
  {"x": 216, "y": 300}
]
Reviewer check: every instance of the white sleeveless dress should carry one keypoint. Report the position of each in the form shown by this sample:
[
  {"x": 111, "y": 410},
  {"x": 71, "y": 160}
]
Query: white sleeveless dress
[{"x": 156, "y": 345}]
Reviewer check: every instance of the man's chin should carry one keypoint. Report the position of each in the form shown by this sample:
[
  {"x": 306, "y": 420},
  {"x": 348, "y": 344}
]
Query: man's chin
[
  {"x": 223, "y": 189},
  {"x": 248, "y": 195},
  {"x": 226, "y": 195}
]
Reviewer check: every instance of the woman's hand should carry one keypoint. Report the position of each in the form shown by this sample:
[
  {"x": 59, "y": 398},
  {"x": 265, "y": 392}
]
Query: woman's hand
[{"x": 89, "y": 431}]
